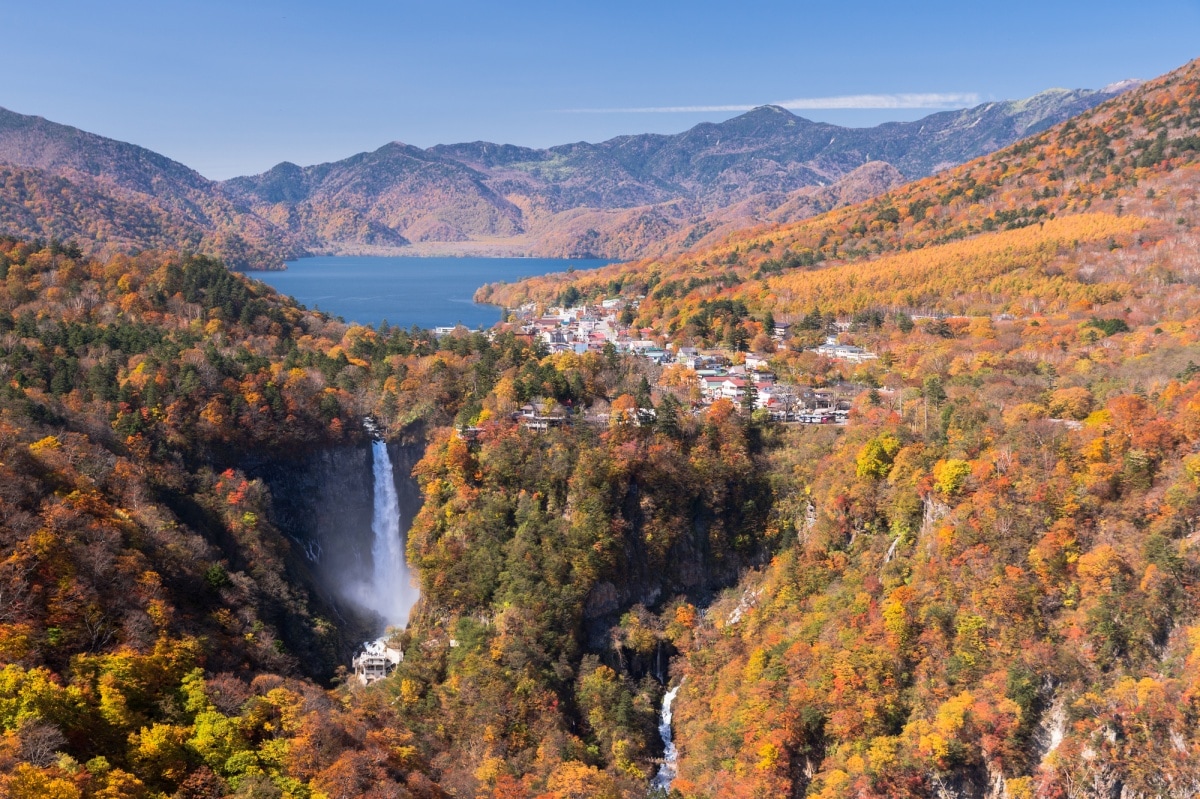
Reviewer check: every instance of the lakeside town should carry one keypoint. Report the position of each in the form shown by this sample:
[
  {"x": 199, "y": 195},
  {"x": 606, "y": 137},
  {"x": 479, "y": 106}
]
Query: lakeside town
[{"x": 715, "y": 373}]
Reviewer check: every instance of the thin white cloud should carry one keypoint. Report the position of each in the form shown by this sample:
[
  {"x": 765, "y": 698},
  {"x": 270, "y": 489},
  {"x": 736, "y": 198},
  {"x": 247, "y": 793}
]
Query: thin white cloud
[
  {"x": 862, "y": 101},
  {"x": 666, "y": 109},
  {"x": 844, "y": 102}
]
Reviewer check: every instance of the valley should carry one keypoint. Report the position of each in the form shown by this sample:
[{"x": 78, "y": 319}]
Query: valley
[{"x": 886, "y": 487}]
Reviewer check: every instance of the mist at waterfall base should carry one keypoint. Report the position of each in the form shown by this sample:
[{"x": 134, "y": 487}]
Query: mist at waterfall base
[{"x": 385, "y": 589}]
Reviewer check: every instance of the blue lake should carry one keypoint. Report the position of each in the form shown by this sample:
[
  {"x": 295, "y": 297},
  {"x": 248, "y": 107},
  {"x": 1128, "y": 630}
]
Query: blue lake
[{"x": 426, "y": 292}]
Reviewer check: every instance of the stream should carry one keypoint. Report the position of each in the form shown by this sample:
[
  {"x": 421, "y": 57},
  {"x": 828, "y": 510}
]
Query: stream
[{"x": 666, "y": 772}]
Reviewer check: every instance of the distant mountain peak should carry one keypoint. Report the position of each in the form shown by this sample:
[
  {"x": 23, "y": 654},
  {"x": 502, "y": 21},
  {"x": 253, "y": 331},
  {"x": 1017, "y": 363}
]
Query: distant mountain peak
[
  {"x": 774, "y": 112},
  {"x": 771, "y": 117},
  {"x": 1053, "y": 91},
  {"x": 1122, "y": 86}
]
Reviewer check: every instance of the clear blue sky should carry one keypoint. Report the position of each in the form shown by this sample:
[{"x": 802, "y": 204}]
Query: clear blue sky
[{"x": 234, "y": 87}]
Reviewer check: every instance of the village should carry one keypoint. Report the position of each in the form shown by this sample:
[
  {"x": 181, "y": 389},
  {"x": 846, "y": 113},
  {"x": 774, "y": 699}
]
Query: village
[{"x": 718, "y": 373}]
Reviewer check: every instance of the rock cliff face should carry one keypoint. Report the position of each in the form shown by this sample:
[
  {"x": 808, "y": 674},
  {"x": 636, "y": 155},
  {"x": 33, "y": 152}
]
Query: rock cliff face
[
  {"x": 690, "y": 569},
  {"x": 324, "y": 502}
]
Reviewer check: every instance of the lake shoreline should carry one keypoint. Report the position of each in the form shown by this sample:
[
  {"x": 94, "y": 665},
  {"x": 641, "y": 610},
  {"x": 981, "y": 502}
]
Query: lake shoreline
[
  {"x": 426, "y": 291},
  {"x": 515, "y": 247}
]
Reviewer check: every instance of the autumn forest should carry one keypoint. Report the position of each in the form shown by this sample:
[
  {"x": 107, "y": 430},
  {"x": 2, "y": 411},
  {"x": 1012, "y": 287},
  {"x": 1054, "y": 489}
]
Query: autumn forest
[{"x": 985, "y": 583}]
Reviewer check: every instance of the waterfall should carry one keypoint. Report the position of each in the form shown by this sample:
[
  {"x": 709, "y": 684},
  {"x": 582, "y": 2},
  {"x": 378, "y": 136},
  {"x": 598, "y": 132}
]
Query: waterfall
[
  {"x": 666, "y": 772},
  {"x": 388, "y": 590}
]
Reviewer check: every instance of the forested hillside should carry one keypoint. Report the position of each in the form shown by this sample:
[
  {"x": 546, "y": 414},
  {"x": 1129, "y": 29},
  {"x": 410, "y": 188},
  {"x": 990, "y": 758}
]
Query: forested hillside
[
  {"x": 1132, "y": 156},
  {"x": 983, "y": 585},
  {"x": 989, "y": 586},
  {"x": 160, "y": 635},
  {"x": 58, "y": 182}
]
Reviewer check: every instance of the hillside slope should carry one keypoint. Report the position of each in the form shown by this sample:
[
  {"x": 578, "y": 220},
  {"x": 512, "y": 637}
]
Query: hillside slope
[
  {"x": 156, "y": 624},
  {"x": 106, "y": 195},
  {"x": 164, "y": 628},
  {"x": 985, "y": 584},
  {"x": 990, "y": 584},
  {"x": 1093, "y": 163}
]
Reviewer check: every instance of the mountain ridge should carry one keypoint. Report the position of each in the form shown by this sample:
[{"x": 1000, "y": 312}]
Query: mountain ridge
[
  {"x": 1008, "y": 189},
  {"x": 571, "y": 196},
  {"x": 631, "y": 196},
  {"x": 162, "y": 203}
]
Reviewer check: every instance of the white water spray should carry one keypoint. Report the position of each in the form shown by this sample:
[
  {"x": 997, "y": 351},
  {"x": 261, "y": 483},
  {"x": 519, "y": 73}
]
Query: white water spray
[
  {"x": 666, "y": 772},
  {"x": 389, "y": 590}
]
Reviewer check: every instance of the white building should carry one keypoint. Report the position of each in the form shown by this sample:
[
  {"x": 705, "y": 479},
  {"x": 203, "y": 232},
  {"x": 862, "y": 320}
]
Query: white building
[
  {"x": 376, "y": 661},
  {"x": 844, "y": 352}
]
